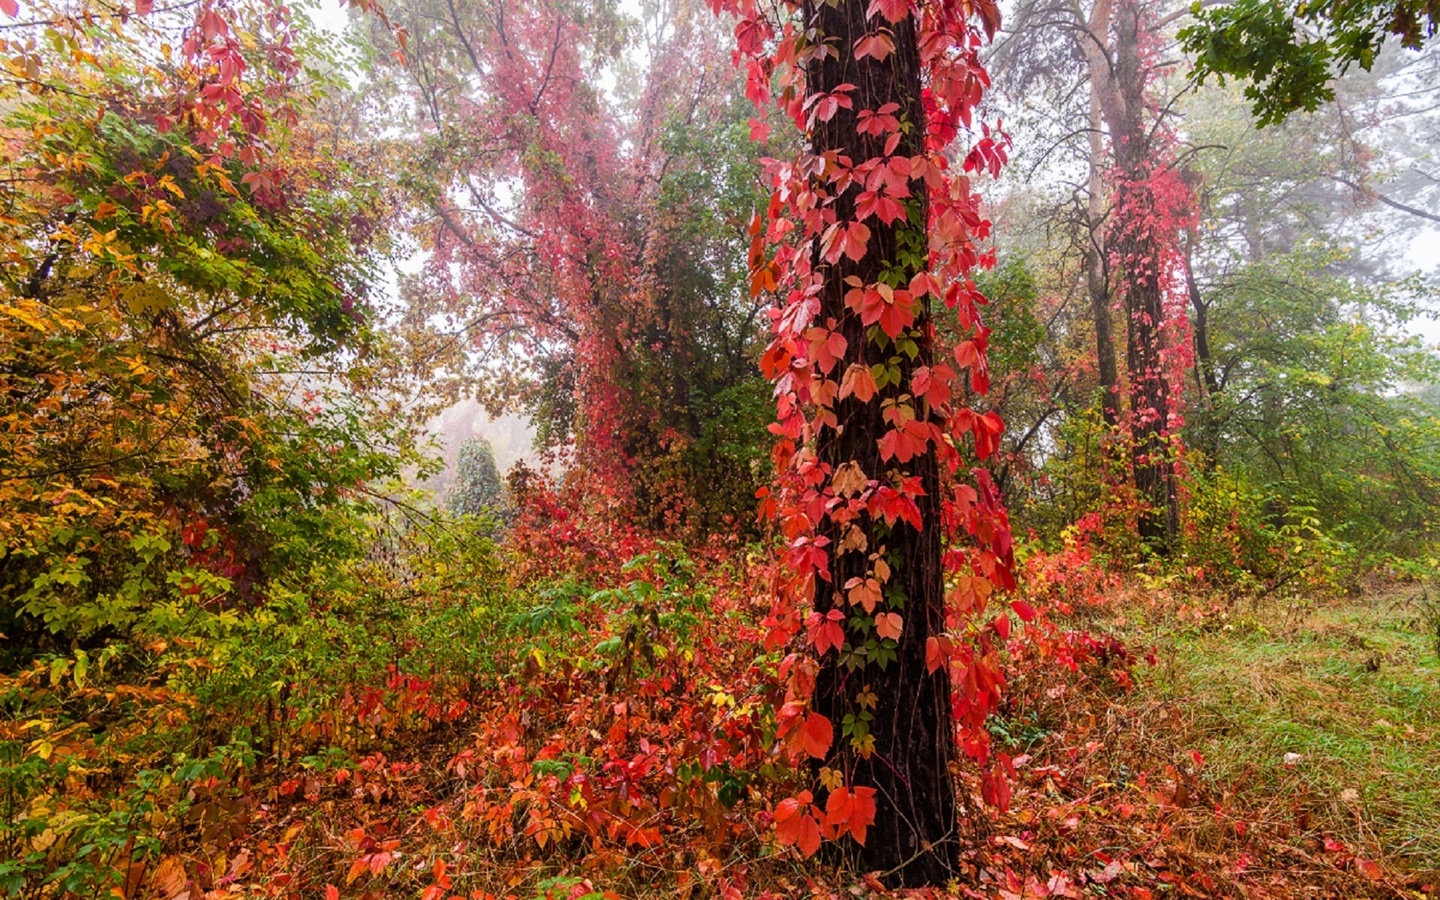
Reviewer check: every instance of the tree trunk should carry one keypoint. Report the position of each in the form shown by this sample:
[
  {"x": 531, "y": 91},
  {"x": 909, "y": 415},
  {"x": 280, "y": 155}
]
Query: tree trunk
[
  {"x": 913, "y": 840},
  {"x": 1092, "y": 43},
  {"x": 1138, "y": 248},
  {"x": 1206, "y": 381}
]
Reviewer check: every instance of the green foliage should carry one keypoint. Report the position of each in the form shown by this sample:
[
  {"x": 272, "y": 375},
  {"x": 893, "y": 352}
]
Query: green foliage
[
  {"x": 1289, "y": 53},
  {"x": 1313, "y": 408},
  {"x": 477, "y": 489},
  {"x": 191, "y": 368},
  {"x": 1260, "y": 540},
  {"x": 159, "y": 734}
]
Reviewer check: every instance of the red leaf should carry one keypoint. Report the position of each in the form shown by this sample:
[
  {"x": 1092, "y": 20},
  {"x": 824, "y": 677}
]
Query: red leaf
[
  {"x": 862, "y": 812},
  {"x": 794, "y": 825},
  {"x": 1025, "y": 611},
  {"x": 826, "y": 347},
  {"x": 818, "y": 734},
  {"x": 995, "y": 789},
  {"x": 879, "y": 45},
  {"x": 850, "y": 811},
  {"x": 10, "y": 8},
  {"x": 825, "y": 632},
  {"x": 809, "y": 836},
  {"x": 892, "y": 10},
  {"x": 847, "y": 239},
  {"x": 1368, "y": 868}
]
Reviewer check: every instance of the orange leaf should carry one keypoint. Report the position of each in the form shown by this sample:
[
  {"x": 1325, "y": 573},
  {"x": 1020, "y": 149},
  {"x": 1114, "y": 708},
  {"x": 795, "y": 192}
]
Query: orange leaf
[
  {"x": 357, "y": 868},
  {"x": 937, "y": 652},
  {"x": 889, "y": 625},
  {"x": 858, "y": 381}
]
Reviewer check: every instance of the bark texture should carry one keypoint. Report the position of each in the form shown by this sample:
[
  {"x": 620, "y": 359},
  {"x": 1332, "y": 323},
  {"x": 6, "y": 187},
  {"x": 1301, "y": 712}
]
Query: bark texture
[
  {"x": 913, "y": 840},
  {"x": 1138, "y": 250}
]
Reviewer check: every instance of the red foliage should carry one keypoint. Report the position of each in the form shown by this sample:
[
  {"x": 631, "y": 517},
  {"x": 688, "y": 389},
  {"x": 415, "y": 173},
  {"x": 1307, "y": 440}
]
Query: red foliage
[{"x": 801, "y": 227}]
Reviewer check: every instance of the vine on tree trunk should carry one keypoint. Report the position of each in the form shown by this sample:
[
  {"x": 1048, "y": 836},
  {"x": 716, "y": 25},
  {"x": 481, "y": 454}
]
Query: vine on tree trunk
[{"x": 891, "y": 554}]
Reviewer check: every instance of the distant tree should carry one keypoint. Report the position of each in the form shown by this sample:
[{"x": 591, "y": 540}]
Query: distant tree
[
  {"x": 1290, "y": 52},
  {"x": 478, "y": 488},
  {"x": 586, "y": 248},
  {"x": 1131, "y": 210}
]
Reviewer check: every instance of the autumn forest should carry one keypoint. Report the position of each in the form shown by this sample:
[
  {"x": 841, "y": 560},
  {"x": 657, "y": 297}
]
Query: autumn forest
[{"x": 597, "y": 449}]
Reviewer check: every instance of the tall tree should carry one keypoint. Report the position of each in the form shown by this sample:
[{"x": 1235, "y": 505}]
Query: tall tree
[
  {"x": 1151, "y": 205},
  {"x": 1132, "y": 206},
  {"x": 869, "y": 228},
  {"x": 478, "y": 489}
]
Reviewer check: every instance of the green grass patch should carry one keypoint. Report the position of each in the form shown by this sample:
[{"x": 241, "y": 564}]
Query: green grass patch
[{"x": 1321, "y": 718}]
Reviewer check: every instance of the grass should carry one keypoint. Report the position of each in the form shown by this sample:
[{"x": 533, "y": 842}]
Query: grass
[{"x": 1322, "y": 717}]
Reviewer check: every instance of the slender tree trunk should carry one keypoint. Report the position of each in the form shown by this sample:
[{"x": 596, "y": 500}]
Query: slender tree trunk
[
  {"x": 1092, "y": 42},
  {"x": 913, "y": 839},
  {"x": 1206, "y": 380}
]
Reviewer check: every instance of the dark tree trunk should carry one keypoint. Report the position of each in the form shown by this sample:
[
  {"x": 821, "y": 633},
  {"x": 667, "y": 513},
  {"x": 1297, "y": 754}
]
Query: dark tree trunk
[
  {"x": 1204, "y": 360},
  {"x": 913, "y": 840},
  {"x": 1207, "y": 382},
  {"x": 1140, "y": 253},
  {"x": 1097, "y": 285},
  {"x": 1091, "y": 42}
]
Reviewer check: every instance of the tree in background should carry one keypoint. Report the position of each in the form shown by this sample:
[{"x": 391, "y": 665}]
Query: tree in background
[
  {"x": 1132, "y": 206},
  {"x": 477, "y": 489},
  {"x": 1272, "y": 224},
  {"x": 186, "y": 340},
  {"x": 586, "y": 246}
]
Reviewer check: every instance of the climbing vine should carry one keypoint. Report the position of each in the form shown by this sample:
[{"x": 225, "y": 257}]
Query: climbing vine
[{"x": 870, "y": 230}]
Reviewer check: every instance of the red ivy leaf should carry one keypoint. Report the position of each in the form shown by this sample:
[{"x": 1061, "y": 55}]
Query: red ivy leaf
[
  {"x": 995, "y": 789},
  {"x": 878, "y": 45},
  {"x": 892, "y": 10},
  {"x": 850, "y": 810},
  {"x": 825, "y": 631},
  {"x": 818, "y": 734},
  {"x": 795, "y": 826}
]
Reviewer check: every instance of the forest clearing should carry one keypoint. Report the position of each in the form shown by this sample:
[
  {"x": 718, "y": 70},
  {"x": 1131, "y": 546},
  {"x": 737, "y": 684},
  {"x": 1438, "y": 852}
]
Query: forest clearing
[{"x": 580, "y": 449}]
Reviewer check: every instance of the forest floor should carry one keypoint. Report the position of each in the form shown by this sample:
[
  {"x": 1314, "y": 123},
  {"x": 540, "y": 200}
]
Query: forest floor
[
  {"x": 1267, "y": 748},
  {"x": 1210, "y": 747}
]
